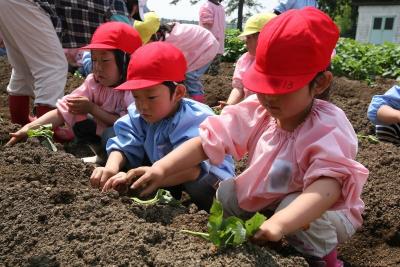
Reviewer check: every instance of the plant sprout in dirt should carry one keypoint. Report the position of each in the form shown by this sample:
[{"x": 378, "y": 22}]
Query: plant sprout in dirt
[
  {"x": 45, "y": 135},
  {"x": 231, "y": 231}
]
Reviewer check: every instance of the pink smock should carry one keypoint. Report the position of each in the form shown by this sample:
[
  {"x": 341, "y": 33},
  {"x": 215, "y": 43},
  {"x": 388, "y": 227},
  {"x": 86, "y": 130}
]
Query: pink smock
[
  {"x": 214, "y": 15},
  {"x": 197, "y": 44},
  {"x": 107, "y": 98},
  {"x": 282, "y": 162},
  {"x": 242, "y": 65}
]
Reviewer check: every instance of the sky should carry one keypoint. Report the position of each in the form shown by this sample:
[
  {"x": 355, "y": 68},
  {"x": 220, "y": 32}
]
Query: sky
[{"x": 185, "y": 11}]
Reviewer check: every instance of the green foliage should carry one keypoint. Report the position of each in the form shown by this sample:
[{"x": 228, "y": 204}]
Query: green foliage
[
  {"x": 162, "y": 197},
  {"x": 234, "y": 47},
  {"x": 344, "y": 19},
  {"x": 231, "y": 231},
  {"x": 370, "y": 138},
  {"x": 45, "y": 134},
  {"x": 361, "y": 61},
  {"x": 217, "y": 110}
]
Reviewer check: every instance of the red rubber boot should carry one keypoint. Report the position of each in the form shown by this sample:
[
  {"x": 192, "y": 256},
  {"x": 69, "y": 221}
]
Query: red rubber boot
[{"x": 19, "y": 109}]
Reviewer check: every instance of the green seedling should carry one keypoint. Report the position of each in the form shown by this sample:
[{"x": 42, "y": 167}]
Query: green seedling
[
  {"x": 78, "y": 74},
  {"x": 370, "y": 138},
  {"x": 45, "y": 135},
  {"x": 231, "y": 231},
  {"x": 217, "y": 110},
  {"x": 162, "y": 197}
]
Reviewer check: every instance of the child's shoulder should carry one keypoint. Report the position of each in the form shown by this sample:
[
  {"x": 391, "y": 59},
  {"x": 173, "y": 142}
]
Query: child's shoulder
[
  {"x": 192, "y": 107},
  {"x": 326, "y": 114}
]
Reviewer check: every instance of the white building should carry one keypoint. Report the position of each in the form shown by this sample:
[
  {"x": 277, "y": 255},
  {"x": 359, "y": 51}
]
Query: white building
[{"x": 378, "y": 21}]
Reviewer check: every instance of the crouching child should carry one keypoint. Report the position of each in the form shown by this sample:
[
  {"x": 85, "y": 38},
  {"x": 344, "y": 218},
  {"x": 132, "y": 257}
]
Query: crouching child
[{"x": 160, "y": 120}]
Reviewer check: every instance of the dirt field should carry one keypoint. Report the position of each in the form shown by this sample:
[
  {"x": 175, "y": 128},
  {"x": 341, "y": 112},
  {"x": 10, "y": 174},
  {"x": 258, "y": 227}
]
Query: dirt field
[{"x": 51, "y": 217}]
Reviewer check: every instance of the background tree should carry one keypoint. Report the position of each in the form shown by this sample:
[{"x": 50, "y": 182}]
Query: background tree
[
  {"x": 343, "y": 12},
  {"x": 251, "y": 7}
]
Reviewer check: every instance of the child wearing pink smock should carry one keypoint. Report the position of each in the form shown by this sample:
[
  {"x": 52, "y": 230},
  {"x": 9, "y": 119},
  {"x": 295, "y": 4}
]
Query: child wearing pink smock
[
  {"x": 94, "y": 106},
  {"x": 212, "y": 17},
  {"x": 250, "y": 34},
  {"x": 301, "y": 150},
  {"x": 197, "y": 44}
]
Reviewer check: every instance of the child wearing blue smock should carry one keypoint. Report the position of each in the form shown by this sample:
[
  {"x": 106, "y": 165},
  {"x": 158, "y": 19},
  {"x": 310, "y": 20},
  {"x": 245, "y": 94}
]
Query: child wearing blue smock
[
  {"x": 159, "y": 121},
  {"x": 384, "y": 113}
]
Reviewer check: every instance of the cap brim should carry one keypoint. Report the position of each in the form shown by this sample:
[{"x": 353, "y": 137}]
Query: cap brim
[
  {"x": 244, "y": 34},
  {"x": 97, "y": 46},
  {"x": 259, "y": 82},
  {"x": 137, "y": 84}
]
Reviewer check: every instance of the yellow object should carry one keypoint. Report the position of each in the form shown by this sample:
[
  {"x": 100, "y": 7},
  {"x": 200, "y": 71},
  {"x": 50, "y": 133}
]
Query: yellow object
[
  {"x": 256, "y": 22},
  {"x": 148, "y": 26}
]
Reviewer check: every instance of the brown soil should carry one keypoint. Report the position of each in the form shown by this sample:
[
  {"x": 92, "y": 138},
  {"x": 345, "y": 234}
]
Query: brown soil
[{"x": 51, "y": 216}]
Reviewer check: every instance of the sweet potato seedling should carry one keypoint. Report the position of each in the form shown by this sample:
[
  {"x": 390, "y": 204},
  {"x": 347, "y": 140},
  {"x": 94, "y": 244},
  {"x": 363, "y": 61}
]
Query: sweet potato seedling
[
  {"x": 162, "y": 197},
  {"x": 231, "y": 231},
  {"x": 370, "y": 138},
  {"x": 45, "y": 135}
]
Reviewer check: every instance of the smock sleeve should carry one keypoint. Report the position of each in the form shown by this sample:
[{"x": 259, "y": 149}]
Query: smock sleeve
[
  {"x": 84, "y": 90},
  {"x": 206, "y": 16},
  {"x": 390, "y": 98},
  {"x": 229, "y": 133},
  {"x": 129, "y": 138},
  {"x": 326, "y": 145}
]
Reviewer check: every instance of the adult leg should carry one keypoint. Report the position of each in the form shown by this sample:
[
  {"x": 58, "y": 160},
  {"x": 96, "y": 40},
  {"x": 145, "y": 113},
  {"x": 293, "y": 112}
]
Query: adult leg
[{"x": 39, "y": 66}]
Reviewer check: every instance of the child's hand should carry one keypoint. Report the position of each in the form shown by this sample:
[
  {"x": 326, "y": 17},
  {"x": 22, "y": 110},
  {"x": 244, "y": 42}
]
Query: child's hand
[
  {"x": 18, "y": 136},
  {"x": 269, "y": 231},
  {"x": 79, "y": 105},
  {"x": 149, "y": 179},
  {"x": 118, "y": 182},
  {"x": 100, "y": 175}
]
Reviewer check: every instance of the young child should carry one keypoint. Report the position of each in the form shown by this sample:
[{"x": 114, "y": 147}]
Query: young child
[
  {"x": 159, "y": 121},
  {"x": 250, "y": 33},
  {"x": 95, "y": 105},
  {"x": 212, "y": 17},
  {"x": 301, "y": 150},
  {"x": 384, "y": 112},
  {"x": 197, "y": 44}
]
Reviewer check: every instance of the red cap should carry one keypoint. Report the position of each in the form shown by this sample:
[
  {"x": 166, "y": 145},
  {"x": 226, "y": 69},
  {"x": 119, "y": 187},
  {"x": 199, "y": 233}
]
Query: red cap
[
  {"x": 292, "y": 48},
  {"x": 115, "y": 35},
  {"x": 153, "y": 64}
]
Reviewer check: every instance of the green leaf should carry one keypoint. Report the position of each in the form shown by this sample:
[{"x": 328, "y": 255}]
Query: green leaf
[
  {"x": 216, "y": 215},
  {"x": 231, "y": 231},
  {"x": 253, "y": 224},
  {"x": 235, "y": 230},
  {"x": 45, "y": 133}
]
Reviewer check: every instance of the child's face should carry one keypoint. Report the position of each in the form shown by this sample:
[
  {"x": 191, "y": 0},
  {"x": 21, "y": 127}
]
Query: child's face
[
  {"x": 251, "y": 43},
  {"x": 105, "y": 68},
  {"x": 290, "y": 109},
  {"x": 155, "y": 103}
]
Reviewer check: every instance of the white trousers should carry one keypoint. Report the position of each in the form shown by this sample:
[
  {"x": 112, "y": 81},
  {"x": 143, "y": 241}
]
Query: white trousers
[{"x": 39, "y": 66}]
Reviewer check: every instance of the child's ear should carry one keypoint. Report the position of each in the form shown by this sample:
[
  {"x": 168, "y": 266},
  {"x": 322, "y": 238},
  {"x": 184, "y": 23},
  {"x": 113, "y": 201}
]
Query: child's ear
[
  {"x": 180, "y": 92},
  {"x": 323, "y": 82}
]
